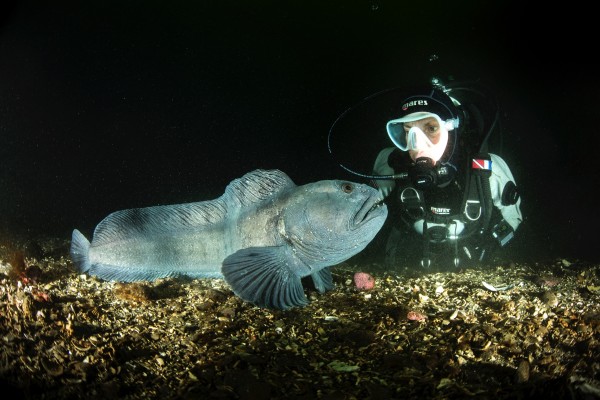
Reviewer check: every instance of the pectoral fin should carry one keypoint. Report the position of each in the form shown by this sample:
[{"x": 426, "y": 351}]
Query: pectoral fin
[
  {"x": 323, "y": 280},
  {"x": 265, "y": 276}
]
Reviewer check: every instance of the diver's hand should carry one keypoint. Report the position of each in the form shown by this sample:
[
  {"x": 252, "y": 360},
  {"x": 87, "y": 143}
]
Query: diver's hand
[
  {"x": 503, "y": 233},
  {"x": 385, "y": 186}
]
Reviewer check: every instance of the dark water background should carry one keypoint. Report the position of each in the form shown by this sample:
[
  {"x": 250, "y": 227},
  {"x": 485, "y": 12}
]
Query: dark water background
[{"x": 109, "y": 105}]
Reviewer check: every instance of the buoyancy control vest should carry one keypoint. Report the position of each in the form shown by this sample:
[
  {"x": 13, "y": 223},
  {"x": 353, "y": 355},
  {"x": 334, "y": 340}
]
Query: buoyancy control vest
[{"x": 459, "y": 210}]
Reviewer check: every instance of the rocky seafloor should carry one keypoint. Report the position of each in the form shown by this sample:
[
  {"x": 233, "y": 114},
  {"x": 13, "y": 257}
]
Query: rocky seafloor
[{"x": 501, "y": 331}]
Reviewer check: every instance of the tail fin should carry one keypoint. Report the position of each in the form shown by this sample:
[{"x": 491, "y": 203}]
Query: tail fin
[{"x": 80, "y": 248}]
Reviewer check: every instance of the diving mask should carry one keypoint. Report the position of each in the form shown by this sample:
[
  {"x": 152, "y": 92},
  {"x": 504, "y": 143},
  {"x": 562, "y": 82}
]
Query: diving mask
[{"x": 415, "y": 139}]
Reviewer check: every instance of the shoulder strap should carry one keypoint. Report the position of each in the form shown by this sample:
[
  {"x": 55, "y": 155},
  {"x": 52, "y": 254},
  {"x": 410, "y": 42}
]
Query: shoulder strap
[{"x": 478, "y": 197}]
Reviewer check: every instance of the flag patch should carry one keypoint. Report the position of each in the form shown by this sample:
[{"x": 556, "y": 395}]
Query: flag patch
[{"x": 479, "y": 163}]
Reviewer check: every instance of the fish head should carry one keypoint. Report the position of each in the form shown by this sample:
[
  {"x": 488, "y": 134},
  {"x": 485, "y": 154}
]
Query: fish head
[{"x": 329, "y": 221}]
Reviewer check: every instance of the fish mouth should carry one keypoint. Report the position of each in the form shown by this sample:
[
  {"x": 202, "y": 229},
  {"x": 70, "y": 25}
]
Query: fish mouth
[{"x": 372, "y": 207}]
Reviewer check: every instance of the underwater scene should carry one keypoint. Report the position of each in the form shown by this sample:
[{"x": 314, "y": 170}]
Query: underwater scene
[{"x": 297, "y": 200}]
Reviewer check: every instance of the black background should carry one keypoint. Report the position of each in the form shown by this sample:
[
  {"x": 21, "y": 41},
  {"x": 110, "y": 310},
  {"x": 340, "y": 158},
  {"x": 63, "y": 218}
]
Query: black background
[{"x": 106, "y": 105}]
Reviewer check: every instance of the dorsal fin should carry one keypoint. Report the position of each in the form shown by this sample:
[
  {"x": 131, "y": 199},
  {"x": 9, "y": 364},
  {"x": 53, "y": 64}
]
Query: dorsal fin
[
  {"x": 254, "y": 187},
  {"x": 258, "y": 185},
  {"x": 156, "y": 220}
]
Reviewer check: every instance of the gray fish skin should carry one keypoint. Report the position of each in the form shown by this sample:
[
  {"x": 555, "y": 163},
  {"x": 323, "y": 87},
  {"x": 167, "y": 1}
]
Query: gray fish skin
[{"x": 263, "y": 235}]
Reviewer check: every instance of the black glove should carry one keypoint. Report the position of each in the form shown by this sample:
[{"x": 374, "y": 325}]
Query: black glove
[
  {"x": 503, "y": 233},
  {"x": 482, "y": 248}
]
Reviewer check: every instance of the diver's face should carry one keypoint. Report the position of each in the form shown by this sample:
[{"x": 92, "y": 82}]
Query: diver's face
[{"x": 430, "y": 127}]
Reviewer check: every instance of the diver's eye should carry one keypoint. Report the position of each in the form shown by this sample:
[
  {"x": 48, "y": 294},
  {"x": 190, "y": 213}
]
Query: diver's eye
[
  {"x": 432, "y": 129},
  {"x": 347, "y": 187}
]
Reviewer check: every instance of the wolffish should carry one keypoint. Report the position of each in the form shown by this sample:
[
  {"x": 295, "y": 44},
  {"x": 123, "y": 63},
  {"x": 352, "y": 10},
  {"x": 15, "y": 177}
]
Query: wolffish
[{"x": 263, "y": 235}]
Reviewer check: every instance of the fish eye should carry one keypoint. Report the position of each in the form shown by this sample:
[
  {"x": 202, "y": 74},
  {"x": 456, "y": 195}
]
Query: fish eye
[{"x": 347, "y": 187}]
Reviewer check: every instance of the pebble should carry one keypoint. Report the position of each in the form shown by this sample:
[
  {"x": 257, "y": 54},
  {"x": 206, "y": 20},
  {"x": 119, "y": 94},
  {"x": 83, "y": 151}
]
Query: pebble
[
  {"x": 523, "y": 372},
  {"x": 550, "y": 299}
]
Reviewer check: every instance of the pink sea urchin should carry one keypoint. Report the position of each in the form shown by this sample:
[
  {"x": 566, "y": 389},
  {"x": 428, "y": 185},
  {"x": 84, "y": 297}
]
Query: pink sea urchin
[{"x": 364, "y": 281}]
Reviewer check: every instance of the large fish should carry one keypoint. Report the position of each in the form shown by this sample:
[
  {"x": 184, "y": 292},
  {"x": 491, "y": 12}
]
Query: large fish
[{"x": 263, "y": 235}]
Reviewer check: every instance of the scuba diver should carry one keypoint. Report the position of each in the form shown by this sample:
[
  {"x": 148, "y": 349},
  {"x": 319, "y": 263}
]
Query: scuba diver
[{"x": 450, "y": 200}]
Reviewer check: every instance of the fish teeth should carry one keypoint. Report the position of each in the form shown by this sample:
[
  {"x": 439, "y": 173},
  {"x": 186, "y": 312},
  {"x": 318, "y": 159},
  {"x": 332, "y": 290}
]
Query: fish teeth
[{"x": 378, "y": 203}]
